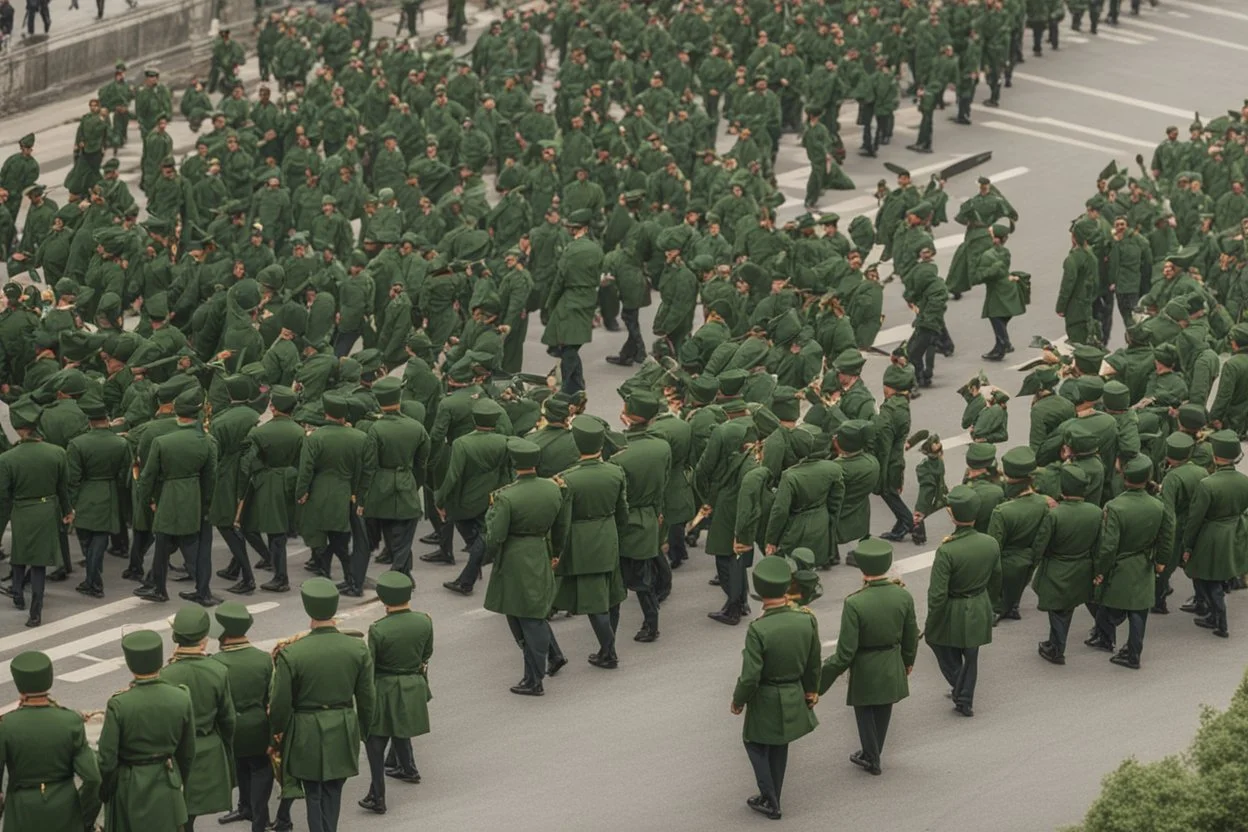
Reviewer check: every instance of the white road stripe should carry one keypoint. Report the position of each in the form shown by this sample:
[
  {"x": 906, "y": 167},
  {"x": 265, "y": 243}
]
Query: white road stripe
[
  {"x": 851, "y": 206},
  {"x": 1077, "y": 128},
  {"x": 1171, "y": 31},
  {"x": 1165, "y": 109},
  {"x": 1173, "y": 13},
  {"x": 1070, "y": 39},
  {"x": 1120, "y": 39},
  {"x": 893, "y": 335},
  {"x": 1053, "y": 137},
  {"x": 64, "y": 625},
  {"x": 1207, "y": 9}
]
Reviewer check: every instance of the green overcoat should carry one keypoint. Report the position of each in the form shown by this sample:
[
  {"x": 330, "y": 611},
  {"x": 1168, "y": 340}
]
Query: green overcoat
[
  {"x": 400, "y": 645},
  {"x": 779, "y": 666},
  {"x": 964, "y": 588},
  {"x": 878, "y": 640},
  {"x": 211, "y": 781}
]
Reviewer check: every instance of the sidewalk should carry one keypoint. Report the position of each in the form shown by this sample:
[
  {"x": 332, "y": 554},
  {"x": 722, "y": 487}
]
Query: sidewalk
[{"x": 67, "y": 21}]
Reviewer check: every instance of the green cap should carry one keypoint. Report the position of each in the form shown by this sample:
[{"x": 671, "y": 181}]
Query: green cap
[
  {"x": 238, "y": 387},
  {"x": 1074, "y": 481},
  {"x": 981, "y": 455},
  {"x": 1226, "y": 445},
  {"x": 643, "y": 404},
  {"x": 1018, "y": 463},
  {"x": 1041, "y": 378},
  {"x": 320, "y": 598},
  {"x": 144, "y": 651},
  {"x": 188, "y": 403},
  {"x": 283, "y": 398},
  {"x": 803, "y": 557},
  {"x": 873, "y": 555},
  {"x": 1179, "y": 446},
  {"x": 24, "y": 413},
  {"x": 772, "y": 576},
  {"x": 703, "y": 388},
  {"x": 370, "y": 359},
  {"x": 765, "y": 422},
  {"x": 32, "y": 672},
  {"x": 1137, "y": 470},
  {"x": 394, "y": 588},
  {"x": 1088, "y": 359},
  {"x": 731, "y": 382},
  {"x": 233, "y": 618},
  {"x": 388, "y": 391},
  {"x": 190, "y": 625},
  {"x": 335, "y": 405},
  {"x": 1091, "y": 388},
  {"x": 485, "y": 413},
  {"x": 524, "y": 454},
  {"x": 899, "y": 377},
  {"x": 1117, "y": 396},
  {"x": 964, "y": 503},
  {"x": 849, "y": 362},
  {"x": 94, "y": 409},
  {"x": 1192, "y": 416},
  {"x": 784, "y": 403},
  {"x": 851, "y": 435},
  {"x": 556, "y": 409},
  {"x": 589, "y": 434}
]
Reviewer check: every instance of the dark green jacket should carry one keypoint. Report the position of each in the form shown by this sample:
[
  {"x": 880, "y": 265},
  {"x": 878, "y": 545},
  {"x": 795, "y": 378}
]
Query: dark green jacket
[{"x": 878, "y": 640}]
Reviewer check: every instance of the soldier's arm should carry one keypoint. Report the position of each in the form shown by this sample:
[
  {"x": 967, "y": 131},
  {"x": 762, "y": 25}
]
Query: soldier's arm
[
  {"x": 1040, "y": 543},
  {"x": 307, "y": 467},
  {"x": 87, "y": 769},
  {"x": 1107, "y": 549},
  {"x": 147, "y": 477},
  {"x": 110, "y": 736},
  {"x": 420, "y": 460},
  {"x": 1164, "y": 544},
  {"x": 779, "y": 517},
  {"x": 62, "y": 485},
  {"x": 184, "y": 754},
  {"x": 226, "y": 717},
  {"x": 938, "y": 586},
  {"x": 208, "y": 479},
  {"x": 909, "y": 634},
  {"x": 1195, "y": 516},
  {"x": 846, "y": 649},
  {"x": 497, "y": 521},
  {"x": 450, "y": 482},
  {"x": 751, "y": 668},
  {"x": 996, "y": 525},
  {"x": 621, "y": 505},
  {"x": 281, "y": 708},
  {"x": 994, "y": 581},
  {"x": 365, "y": 693}
]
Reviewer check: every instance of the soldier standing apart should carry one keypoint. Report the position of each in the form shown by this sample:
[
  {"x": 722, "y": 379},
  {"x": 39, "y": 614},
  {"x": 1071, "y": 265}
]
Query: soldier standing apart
[
  {"x": 1215, "y": 550},
  {"x": 99, "y": 467},
  {"x": 146, "y": 745},
  {"x": 522, "y": 583},
  {"x": 1063, "y": 581},
  {"x": 248, "y": 670},
  {"x": 43, "y": 747},
  {"x": 586, "y": 540},
  {"x": 877, "y": 645},
  {"x": 400, "y": 645},
  {"x": 964, "y": 588},
  {"x": 177, "y": 481},
  {"x": 1136, "y": 537},
  {"x": 34, "y": 498},
  {"x": 400, "y": 446},
  {"x": 211, "y": 779},
  {"x": 645, "y": 463},
  {"x": 477, "y": 468},
  {"x": 779, "y": 682},
  {"x": 267, "y": 502},
  {"x": 320, "y": 701}
]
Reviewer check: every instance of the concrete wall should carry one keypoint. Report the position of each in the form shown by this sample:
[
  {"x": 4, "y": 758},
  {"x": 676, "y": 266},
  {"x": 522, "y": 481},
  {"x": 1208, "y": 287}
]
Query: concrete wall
[{"x": 174, "y": 35}]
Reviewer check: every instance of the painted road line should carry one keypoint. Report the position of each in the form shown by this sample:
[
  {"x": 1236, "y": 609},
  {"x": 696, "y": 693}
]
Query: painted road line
[
  {"x": 1071, "y": 39},
  {"x": 893, "y": 335},
  {"x": 1171, "y": 31},
  {"x": 1178, "y": 112},
  {"x": 1201, "y": 7},
  {"x": 915, "y": 173},
  {"x": 851, "y": 206},
  {"x": 64, "y": 625},
  {"x": 1078, "y": 128},
  {"x": 1119, "y": 39},
  {"x": 1052, "y": 137},
  {"x": 793, "y": 178}
]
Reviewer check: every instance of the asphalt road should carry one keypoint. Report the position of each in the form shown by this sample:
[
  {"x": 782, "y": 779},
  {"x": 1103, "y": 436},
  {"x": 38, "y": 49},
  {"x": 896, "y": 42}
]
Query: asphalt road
[{"x": 652, "y": 744}]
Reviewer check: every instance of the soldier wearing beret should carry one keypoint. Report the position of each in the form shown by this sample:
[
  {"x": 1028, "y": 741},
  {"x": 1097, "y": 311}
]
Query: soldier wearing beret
[
  {"x": 35, "y": 501},
  {"x": 779, "y": 683},
  {"x": 401, "y": 644},
  {"x": 147, "y": 744},
  {"x": 1020, "y": 525},
  {"x": 211, "y": 780},
  {"x": 1136, "y": 537},
  {"x": 321, "y": 701},
  {"x": 964, "y": 589},
  {"x": 877, "y": 644},
  {"x": 248, "y": 671},
  {"x": 99, "y": 475},
  {"x": 1214, "y": 549},
  {"x": 43, "y": 748},
  {"x": 1063, "y": 580}
]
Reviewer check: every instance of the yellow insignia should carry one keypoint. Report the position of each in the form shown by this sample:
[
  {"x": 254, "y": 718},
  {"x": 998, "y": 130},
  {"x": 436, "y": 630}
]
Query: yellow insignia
[{"x": 946, "y": 538}]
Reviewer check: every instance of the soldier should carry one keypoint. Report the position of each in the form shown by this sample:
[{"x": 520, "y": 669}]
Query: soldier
[
  {"x": 211, "y": 777},
  {"x": 401, "y": 644},
  {"x": 1135, "y": 542},
  {"x": 890, "y": 428},
  {"x": 140, "y": 438},
  {"x": 679, "y": 505},
  {"x": 146, "y": 745},
  {"x": 177, "y": 480},
  {"x": 322, "y": 692},
  {"x": 930, "y": 473},
  {"x": 34, "y": 498},
  {"x": 877, "y": 645},
  {"x": 646, "y": 461},
  {"x": 248, "y": 670},
  {"x": 808, "y": 502},
  {"x": 1020, "y": 525},
  {"x": 981, "y": 477},
  {"x": 400, "y": 446},
  {"x": 1064, "y": 573},
  {"x": 586, "y": 539},
  {"x": 860, "y": 473},
  {"x": 229, "y": 429},
  {"x": 333, "y": 472},
  {"x": 477, "y": 468},
  {"x": 522, "y": 582},
  {"x": 44, "y": 747},
  {"x": 1214, "y": 549},
  {"x": 965, "y": 587},
  {"x": 99, "y": 471},
  {"x": 1048, "y": 410},
  {"x": 266, "y": 502},
  {"x": 572, "y": 299},
  {"x": 779, "y": 683},
  {"x": 1178, "y": 487},
  {"x": 1079, "y": 285}
]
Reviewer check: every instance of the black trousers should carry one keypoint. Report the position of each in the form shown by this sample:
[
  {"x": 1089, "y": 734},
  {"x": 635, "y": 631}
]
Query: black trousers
[
  {"x": 769, "y": 763},
  {"x": 1001, "y": 332},
  {"x": 922, "y": 353},
  {"x": 324, "y": 798},
  {"x": 872, "y": 729},
  {"x": 730, "y": 569},
  {"x": 534, "y": 637},
  {"x": 255, "y": 787},
  {"x": 398, "y": 536},
  {"x": 1213, "y": 595},
  {"x": 1059, "y": 629},
  {"x": 604, "y": 624},
  {"x": 94, "y": 544},
  {"x": 67, "y": 564},
  {"x": 677, "y": 549},
  {"x": 277, "y": 556},
  {"x": 139, "y": 544},
  {"x": 237, "y": 545},
  {"x": 471, "y": 531},
  {"x": 1108, "y": 619},
  {"x": 375, "y": 751},
  {"x": 635, "y": 344},
  {"x": 866, "y": 117},
  {"x": 639, "y": 578},
  {"x": 901, "y": 512},
  {"x": 571, "y": 369},
  {"x": 960, "y": 667},
  {"x": 400, "y": 755},
  {"x": 338, "y": 544},
  {"x": 360, "y": 552},
  {"x": 38, "y": 577},
  {"x": 189, "y": 544}
]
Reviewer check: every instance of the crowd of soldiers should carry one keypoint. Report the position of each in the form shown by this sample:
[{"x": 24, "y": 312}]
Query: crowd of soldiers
[{"x": 317, "y": 329}]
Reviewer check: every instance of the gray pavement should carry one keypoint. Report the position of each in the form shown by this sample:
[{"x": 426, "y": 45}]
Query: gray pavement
[{"x": 652, "y": 745}]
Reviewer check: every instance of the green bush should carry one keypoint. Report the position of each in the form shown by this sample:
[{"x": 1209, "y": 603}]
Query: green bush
[{"x": 1204, "y": 790}]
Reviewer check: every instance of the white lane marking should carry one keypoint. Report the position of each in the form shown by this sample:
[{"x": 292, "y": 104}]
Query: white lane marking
[
  {"x": 1052, "y": 137},
  {"x": 893, "y": 335},
  {"x": 1201, "y": 7},
  {"x": 55, "y": 628},
  {"x": 1171, "y": 31},
  {"x": 1077, "y": 128},
  {"x": 1120, "y": 39},
  {"x": 1106, "y": 95},
  {"x": 956, "y": 441},
  {"x": 915, "y": 173},
  {"x": 1072, "y": 39}
]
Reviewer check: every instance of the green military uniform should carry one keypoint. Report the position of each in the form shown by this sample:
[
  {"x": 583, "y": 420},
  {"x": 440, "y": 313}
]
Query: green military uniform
[
  {"x": 99, "y": 481},
  {"x": 43, "y": 748},
  {"x": 1214, "y": 536},
  {"x": 1178, "y": 486},
  {"x": 965, "y": 587},
  {"x": 401, "y": 644},
  {"x": 778, "y": 684},
  {"x": 400, "y": 447},
  {"x": 147, "y": 745},
  {"x": 229, "y": 429},
  {"x": 860, "y": 473},
  {"x": 1019, "y": 525},
  {"x": 1063, "y": 580},
  {"x": 807, "y": 504},
  {"x": 877, "y": 646},
  {"x": 211, "y": 780},
  {"x": 321, "y": 701},
  {"x": 268, "y": 468}
]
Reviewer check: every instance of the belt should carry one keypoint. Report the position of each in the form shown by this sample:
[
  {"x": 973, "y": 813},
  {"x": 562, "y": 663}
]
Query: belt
[
  {"x": 974, "y": 594},
  {"x": 778, "y": 682},
  {"x": 396, "y": 671},
  {"x": 879, "y": 648},
  {"x": 527, "y": 534},
  {"x": 147, "y": 761},
  {"x": 318, "y": 708},
  {"x": 41, "y": 786},
  {"x": 33, "y": 500}
]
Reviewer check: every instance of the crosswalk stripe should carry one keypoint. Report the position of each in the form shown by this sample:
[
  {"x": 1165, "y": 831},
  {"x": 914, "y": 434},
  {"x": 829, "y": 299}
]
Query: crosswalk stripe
[
  {"x": 1053, "y": 137},
  {"x": 1077, "y": 128},
  {"x": 1171, "y": 31},
  {"x": 1165, "y": 109},
  {"x": 1129, "y": 41},
  {"x": 1071, "y": 39},
  {"x": 1173, "y": 13},
  {"x": 64, "y": 625},
  {"x": 1207, "y": 9}
]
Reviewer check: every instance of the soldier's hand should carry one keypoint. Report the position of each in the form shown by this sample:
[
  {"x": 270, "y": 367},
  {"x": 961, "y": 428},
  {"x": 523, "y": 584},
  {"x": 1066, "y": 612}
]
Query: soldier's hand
[
  {"x": 1161, "y": 567},
  {"x": 736, "y": 709},
  {"x": 1098, "y": 580},
  {"x": 812, "y": 699},
  {"x": 1187, "y": 556},
  {"x": 771, "y": 549},
  {"x": 302, "y": 500}
]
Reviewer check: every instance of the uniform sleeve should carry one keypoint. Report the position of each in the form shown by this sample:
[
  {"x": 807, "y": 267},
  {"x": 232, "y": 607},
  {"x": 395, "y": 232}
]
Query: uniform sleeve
[
  {"x": 846, "y": 648},
  {"x": 147, "y": 477},
  {"x": 751, "y": 668},
  {"x": 1107, "y": 550},
  {"x": 87, "y": 769},
  {"x": 938, "y": 587},
  {"x": 307, "y": 465},
  {"x": 812, "y": 670},
  {"x": 1163, "y": 545},
  {"x": 779, "y": 517},
  {"x": 226, "y": 717},
  {"x": 62, "y": 484},
  {"x": 107, "y": 751},
  {"x": 365, "y": 693},
  {"x": 497, "y": 522},
  {"x": 1044, "y": 534},
  {"x": 280, "y": 705},
  {"x": 208, "y": 479},
  {"x": 909, "y": 634},
  {"x": 184, "y": 754}
]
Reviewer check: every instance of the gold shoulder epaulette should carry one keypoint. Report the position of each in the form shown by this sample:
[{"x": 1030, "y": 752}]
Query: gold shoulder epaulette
[{"x": 946, "y": 538}]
